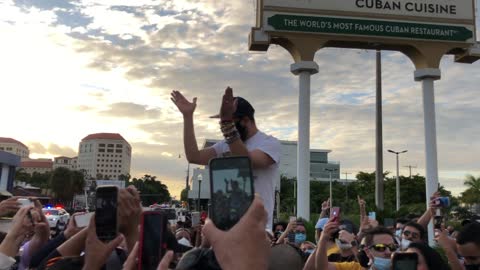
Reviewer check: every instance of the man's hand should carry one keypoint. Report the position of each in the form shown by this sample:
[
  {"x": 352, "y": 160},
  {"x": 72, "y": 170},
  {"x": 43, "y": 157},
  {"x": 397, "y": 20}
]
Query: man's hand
[
  {"x": 131, "y": 262},
  {"x": 326, "y": 205},
  {"x": 129, "y": 211},
  {"x": 96, "y": 251},
  {"x": 21, "y": 226},
  {"x": 329, "y": 229},
  {"x": 9, "y": 205},
  {"x": 292, "y": 225},
  {"x": 229, "y": 105},
  {"x": 245, "y": 246},
  {"x": 444, "y": 240},
  {"x": 184, "y": 106}
]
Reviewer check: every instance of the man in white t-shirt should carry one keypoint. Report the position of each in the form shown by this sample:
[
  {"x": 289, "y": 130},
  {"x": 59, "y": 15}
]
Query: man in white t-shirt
[{"x": 242, "y": 138}]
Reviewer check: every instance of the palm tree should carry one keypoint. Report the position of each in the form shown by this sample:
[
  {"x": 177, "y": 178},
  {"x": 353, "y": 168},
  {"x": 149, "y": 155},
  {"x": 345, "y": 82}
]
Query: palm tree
[{"x": 472, "y": 183}]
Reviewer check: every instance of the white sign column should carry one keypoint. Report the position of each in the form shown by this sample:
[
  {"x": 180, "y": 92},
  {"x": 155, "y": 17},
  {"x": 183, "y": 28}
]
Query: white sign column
[
  {"x": 304, "y": 69},
  {"x": 427, "y": 76}
]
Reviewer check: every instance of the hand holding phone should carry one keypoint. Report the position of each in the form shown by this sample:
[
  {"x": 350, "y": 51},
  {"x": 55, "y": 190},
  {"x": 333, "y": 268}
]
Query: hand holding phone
[
  {"x": 231, "y": 189},
  {"x": 152, "y": 244},
  {"x": 442, "y": 202},
  {"x": 335, "y": 214},
  {"x": 106, "y": 222}
]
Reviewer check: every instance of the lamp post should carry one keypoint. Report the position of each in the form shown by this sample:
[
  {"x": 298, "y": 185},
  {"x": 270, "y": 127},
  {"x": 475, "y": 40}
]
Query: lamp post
[
  {"x": 398, "y": 180},
  {"x": 331, "y": 195},
  {"x": 199, "y": 178}
]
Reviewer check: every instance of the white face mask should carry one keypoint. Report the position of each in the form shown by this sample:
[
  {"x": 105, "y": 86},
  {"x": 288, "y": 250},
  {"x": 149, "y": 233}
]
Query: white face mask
[
  {"x": 184, "y": 241},
  {"x": 404, "y": 243},
  {"x": 343, "y": 246}
]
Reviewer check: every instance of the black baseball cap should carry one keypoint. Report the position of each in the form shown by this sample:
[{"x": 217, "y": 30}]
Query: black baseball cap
[{"x": 244, "y": 108}]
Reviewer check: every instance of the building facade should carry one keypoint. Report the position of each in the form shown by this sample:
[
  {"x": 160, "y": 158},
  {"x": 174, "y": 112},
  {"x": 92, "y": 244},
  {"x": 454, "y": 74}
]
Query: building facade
[
  {"x": 104, "y": 156},
  {"x": 40, "y": 165},
  {"x": 14, "y": 147},
  {"x": 8, "y": 164},
  {"x": 65, "y": 162}
]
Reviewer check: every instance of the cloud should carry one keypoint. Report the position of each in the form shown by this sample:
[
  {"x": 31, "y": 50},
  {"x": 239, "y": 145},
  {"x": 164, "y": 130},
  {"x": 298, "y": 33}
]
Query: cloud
[
  {"x": 131, "y": 110},
  {"x": 52, "y": 149}
]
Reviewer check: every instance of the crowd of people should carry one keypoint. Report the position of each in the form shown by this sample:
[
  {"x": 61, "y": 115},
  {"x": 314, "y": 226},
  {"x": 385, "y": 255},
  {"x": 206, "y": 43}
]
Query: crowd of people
[{"x": 338, "y": 244}]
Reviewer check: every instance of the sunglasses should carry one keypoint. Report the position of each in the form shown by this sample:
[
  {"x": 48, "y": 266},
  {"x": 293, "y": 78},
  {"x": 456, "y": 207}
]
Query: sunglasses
[
  {"x": 414, "y": 234},
  {"x": 383, "y": 247}
]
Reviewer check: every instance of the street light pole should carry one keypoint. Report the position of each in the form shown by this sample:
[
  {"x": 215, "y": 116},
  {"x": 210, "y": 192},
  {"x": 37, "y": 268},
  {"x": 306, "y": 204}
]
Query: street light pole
[
  {"x": 199, "y": 178},
  {"x": 346, "y": 186},
  {"x": 398, "y": 179},
  {"x": 331, "y": 193}
]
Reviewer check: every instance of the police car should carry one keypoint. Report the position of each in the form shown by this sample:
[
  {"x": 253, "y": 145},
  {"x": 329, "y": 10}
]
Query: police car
[{"x": 57, "y": 217}]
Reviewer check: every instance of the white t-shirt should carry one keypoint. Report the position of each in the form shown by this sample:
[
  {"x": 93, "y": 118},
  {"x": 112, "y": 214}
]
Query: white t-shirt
[{"x": 264, "y": 179}]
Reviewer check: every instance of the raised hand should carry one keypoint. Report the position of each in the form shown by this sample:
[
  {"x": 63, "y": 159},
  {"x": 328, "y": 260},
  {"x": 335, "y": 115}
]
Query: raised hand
[
  {"x": 326, "y": 205},
  {"x": 229, "y": 105},
  {"x": 184, "y": 106}
]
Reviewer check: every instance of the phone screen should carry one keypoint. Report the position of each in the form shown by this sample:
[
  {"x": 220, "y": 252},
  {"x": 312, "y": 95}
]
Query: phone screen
[
  {"x": 106, "y": 212},
  {"x": 231, "y": 186},
  {"x": 405, "y": 261},
  {"x": 152, "y": 242}
]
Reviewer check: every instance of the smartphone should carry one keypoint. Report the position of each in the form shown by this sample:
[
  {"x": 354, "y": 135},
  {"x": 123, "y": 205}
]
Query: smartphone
[
  {"x": 25, "y": 202},
  {"x": 405, "y": 261},
  {"x": 195, "y": 218},
  {"x": 442, "y": 202},
  {"x": 335, "y": 213},
  {"x": 231, "y": 189},
  {"x": 437, "y": 222},
  {"x": 152, "y": 244},
  {"x": 106, "y": 202},
  {"x": 83, "y": 220},
  {"x": 372, "y": 215}
]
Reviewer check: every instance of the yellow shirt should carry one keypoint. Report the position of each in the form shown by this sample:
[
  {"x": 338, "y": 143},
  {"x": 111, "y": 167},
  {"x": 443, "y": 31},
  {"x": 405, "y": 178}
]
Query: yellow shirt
[
  {"x": 333, "y": 249},
  {"x": 348, "y": 266}
]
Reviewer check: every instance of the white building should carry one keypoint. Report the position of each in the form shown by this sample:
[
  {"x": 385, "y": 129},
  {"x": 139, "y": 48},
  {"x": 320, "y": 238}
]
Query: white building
[
  {"x": 14, "y": 147},
  {"x": 319, "y": 168},
  {"x": 104, "y": 156},
  {"x": 39, "y": 165},
  {"x": 65, "y": 162}
]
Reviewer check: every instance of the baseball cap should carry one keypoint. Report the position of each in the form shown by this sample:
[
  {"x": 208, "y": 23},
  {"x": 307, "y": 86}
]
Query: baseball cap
[{"x": 244, "y": 108}]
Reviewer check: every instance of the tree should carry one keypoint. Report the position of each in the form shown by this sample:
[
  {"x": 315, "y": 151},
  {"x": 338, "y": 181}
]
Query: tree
[
  {"x": 184, "y": 195},
  {"x": 472, "y": 182},
  {"x": 151, "y": 190},
  {"x": 472, "y": 194},
  {"x": 66, "y": 183}
]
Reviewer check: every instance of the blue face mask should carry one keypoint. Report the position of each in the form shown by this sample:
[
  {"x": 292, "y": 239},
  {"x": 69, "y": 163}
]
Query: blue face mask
[
  {"x": 309, "y": 251},
  {"x": 398, "y": 233},
  {"x": 382, "y": 263},
  {"x": 300, "y": 238}
]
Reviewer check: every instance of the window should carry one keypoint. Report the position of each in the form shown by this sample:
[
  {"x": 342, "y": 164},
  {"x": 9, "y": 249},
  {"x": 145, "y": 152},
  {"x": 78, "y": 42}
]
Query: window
[
  {"x": 9, "y": 148},
  {"x": 110, "y": 150},
  {"x": 101, "y": 145},
  {"x": 119, "y": 166},
  {"x": 110, "y": 145},
  {"x": 118, "y": 150},
  {"x": 120, "y": 155},
  {"x": 102, "y": 150},
  {"x": 1, "y": 148},
  {"x": 119, "y": 145}
]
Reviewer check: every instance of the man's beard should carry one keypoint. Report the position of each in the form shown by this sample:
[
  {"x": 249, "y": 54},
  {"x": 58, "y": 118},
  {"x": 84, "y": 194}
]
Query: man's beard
[{"x": 241, "y": 130}]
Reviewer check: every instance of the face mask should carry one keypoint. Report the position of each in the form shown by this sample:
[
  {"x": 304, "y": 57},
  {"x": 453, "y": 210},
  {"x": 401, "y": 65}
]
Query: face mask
[
  {"x": 300, "y": 238},
  {"x": 472, "y": 266},
  {"x": 398, "y": 233},
  {"x": 184, "y": 241},
  {"x": 343, "y": 246},
  {"x": 241, "y": 130},
  {"x": 309, "y": 251},
  {"x": 381, "y": 263},
  {"x": 404, "y": 244}
]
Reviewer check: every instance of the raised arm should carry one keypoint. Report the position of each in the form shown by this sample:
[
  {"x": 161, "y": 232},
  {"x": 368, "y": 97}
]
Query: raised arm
[
  {"x": 187, "y": 108},
  {"x": 430, "y": 212},
  {"x": 321, "y": 259}
]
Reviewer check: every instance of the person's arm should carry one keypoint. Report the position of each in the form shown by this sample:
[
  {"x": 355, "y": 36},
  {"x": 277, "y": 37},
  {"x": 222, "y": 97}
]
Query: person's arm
[
  {"x": 187, "y": 109},
  {"x": 321, "y": 259},
  {"x": 325, "y": 207},
  {"x": 310, "y": 263},
  {"x": 39, "y": 239},
  {"x": 430, "y": 212},
  {"x": 291, "y": 226},
  {"x": 22, "y": 225},
  {"x": 42, "y": 253},
  {"x": 75, "y": 245},
  {"x": 449, "y": 246},
  {"x": 129, "y": 212}
]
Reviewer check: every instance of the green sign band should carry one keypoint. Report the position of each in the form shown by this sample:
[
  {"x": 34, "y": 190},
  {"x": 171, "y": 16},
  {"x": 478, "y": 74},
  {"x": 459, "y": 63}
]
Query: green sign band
[{"x": 369, "y": 27}]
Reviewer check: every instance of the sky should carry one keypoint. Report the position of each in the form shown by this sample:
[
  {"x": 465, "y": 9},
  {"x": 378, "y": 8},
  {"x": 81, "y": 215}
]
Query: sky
[{"x": 70, "y": 68}]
